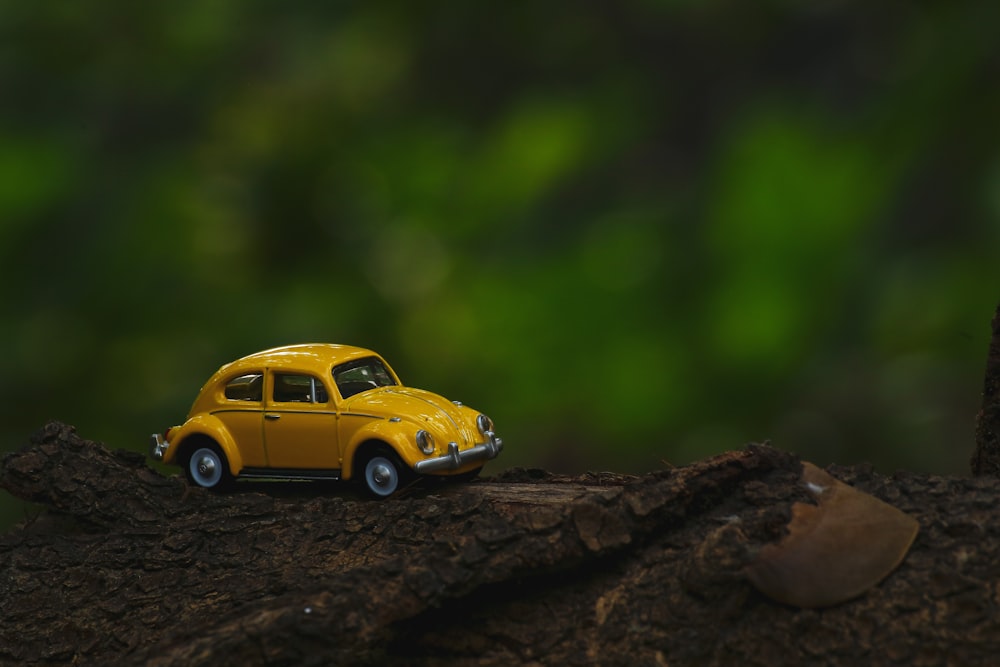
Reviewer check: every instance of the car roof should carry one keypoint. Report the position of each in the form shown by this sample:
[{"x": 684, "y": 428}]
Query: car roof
[{"x": 307, "y": 355}]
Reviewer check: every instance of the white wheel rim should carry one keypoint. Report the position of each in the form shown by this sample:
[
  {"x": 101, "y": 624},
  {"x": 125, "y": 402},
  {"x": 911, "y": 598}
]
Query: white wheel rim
[
  {"x": 206, "y": 467},
  {"x": 381, "y": 476}
]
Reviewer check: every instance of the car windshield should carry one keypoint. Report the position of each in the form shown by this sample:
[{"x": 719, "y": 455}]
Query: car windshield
[{"x": 361, "y": 375}]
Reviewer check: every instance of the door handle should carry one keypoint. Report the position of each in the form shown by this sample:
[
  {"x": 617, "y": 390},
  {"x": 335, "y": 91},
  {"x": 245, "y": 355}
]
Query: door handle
[{"x": 271, "y": 416}]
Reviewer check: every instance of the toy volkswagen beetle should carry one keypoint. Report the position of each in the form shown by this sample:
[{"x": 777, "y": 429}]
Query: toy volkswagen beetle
[{"x": 323, "y": 411}]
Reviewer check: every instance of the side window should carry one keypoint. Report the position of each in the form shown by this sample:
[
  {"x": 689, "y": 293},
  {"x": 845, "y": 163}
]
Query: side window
[
  {"x": 320, "y": 396},
  {"x": 249, "y": 387},
  {"x": 294, "y": 388}
]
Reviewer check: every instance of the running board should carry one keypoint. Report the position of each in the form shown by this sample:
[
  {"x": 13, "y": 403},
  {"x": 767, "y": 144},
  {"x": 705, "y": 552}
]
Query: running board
[{"x": 289, "y": 473}]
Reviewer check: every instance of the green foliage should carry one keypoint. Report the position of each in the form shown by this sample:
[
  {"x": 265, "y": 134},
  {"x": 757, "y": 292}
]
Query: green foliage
[{"x": 631, "y": 236}]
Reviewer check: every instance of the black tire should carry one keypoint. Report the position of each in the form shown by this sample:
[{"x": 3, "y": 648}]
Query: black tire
[
  {"x": 381, "y": 473},
  {"x": 206, "y": 466}
]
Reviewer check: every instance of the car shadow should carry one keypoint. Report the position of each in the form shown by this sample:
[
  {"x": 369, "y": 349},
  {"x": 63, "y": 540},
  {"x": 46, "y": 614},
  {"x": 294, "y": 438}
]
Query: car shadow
[{"x": 419, "y": 487}]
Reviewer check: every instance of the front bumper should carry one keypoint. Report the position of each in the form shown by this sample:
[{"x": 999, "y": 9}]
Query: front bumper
[
  {"x": 455, "y": 459},
  {"x": 157, "y": 446}
]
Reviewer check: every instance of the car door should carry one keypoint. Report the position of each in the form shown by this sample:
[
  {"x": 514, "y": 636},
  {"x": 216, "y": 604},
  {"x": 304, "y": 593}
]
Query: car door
[{"x": 300, "y": 423}]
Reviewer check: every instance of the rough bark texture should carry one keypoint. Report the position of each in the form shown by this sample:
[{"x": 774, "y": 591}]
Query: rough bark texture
[
  {"x": 128, "y": 567},
  {"x": 986, "y": 457}
]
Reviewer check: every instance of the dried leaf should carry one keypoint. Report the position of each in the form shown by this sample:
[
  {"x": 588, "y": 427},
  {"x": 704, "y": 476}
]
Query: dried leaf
[{"x": 834, "y": 550}]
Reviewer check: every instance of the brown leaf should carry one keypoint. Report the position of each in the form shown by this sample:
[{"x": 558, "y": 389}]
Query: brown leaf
[{"x": 834, "y": 550}]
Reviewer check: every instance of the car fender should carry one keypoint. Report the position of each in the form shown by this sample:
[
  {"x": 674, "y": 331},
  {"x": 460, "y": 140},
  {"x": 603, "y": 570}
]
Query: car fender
[
  {"x": 212, "y": 427},
  {"x": 397, "y": 435}
]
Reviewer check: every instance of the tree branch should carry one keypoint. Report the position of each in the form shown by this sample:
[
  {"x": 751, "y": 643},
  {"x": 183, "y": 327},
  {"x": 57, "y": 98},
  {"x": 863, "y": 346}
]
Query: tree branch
[{"x": 129, "y": 567}]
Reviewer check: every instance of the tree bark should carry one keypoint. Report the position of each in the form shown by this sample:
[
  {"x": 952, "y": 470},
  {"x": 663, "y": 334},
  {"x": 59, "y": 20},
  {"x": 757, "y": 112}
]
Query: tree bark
[
  {"x": 128, "y": 567},
  {"x": 986, "y": 456}
]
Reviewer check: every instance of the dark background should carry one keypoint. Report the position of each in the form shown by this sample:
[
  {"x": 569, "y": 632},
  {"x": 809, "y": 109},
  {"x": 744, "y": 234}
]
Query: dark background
[{"x": 631, "y": 232}]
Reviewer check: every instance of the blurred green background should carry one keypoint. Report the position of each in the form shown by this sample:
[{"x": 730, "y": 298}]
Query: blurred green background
[{"x": 633, "y": 233}]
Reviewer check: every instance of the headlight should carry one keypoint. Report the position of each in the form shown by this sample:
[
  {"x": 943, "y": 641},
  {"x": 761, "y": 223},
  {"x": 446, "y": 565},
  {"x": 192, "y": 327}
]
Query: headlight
[
  {"x": 425, "y": 442},
  {"x": 484, "y": 423}
]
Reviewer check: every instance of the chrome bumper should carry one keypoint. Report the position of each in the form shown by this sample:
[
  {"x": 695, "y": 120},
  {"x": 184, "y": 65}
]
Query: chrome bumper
[
  {"x": 157, "y": 446},
  {"x": 456, "y": 459}
]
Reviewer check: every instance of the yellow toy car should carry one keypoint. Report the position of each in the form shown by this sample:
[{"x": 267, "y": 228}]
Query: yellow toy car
[{"x": 323, "y": 411}]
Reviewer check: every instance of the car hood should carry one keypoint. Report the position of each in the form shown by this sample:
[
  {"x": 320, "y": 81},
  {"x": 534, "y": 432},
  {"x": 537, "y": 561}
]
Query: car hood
[{"x": 428, "y": 410}]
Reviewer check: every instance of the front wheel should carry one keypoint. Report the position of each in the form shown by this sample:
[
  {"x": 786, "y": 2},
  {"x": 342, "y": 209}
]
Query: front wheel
[
  {"x": 207, "y": 467},
  {"x": 382, "y": 475}
]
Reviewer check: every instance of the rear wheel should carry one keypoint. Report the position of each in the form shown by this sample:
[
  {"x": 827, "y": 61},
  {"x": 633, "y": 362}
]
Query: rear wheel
[{"x": 207, "y": 467}]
